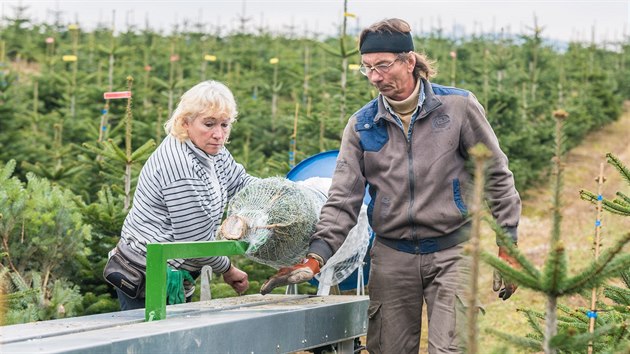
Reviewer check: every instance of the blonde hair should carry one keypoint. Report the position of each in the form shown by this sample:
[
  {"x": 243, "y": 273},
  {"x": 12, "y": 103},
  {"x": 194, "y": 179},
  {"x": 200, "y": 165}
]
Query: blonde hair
[
  {"x": 425, "y": 67},
  {"x": 206, "y": 99}
]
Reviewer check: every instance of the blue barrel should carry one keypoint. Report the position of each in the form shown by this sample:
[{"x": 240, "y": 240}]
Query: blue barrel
[
  {"x": 319, "y": 165},
  {"x": 323, "y": 165}
]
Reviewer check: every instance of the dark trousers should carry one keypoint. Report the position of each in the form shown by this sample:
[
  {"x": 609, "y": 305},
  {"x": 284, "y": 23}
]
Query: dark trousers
[
  {"x": 399, "y": 284},
  {"x": 127, "y": 303}
]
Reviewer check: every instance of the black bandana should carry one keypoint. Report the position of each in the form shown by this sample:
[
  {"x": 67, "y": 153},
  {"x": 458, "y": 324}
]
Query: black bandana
[{"x": 391, "y": 42}]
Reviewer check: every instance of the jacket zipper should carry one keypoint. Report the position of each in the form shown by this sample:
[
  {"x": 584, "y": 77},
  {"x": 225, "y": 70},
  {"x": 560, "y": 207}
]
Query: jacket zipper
[{"x": 414, "y": 236}]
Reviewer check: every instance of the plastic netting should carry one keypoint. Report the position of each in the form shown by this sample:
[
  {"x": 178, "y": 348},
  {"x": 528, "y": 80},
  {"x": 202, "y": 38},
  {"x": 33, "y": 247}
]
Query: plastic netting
[
  {"x": 350, "y": 255},
  {"x": 352, "y": 252},
  {"x": 277, "y": 217}
]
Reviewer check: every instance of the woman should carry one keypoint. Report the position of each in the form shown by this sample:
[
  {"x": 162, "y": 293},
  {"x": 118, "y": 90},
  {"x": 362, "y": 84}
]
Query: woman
[{"x": 182, "y": 191}]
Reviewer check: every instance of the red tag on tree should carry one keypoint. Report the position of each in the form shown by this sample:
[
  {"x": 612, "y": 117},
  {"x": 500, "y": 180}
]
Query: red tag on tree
[{"x": 115, "y": 95}]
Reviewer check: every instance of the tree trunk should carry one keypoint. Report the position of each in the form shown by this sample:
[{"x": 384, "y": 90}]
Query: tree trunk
[{"x": 551, "y": 323}]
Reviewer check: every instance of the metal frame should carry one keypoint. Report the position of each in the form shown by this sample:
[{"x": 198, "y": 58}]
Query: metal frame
[
  {"x": 252, "y": 323},
  {"x": 245, "y": 324},
  {"x": 159, "y": 253}
]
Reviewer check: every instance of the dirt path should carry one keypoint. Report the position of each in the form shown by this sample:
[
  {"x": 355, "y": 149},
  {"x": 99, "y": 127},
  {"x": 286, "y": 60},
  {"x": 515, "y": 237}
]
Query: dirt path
[{"x": 581, "y": 169}]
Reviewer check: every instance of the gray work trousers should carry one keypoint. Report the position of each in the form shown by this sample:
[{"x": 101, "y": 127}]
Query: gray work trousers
[{"x": 399, "y": 282}]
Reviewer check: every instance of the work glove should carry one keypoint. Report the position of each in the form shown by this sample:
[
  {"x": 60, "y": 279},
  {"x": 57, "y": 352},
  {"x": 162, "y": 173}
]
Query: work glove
[
  {"x": 505, "y": 289},
  {"x": 298, "y": 273},
  {"x": 175, "y": 293}
]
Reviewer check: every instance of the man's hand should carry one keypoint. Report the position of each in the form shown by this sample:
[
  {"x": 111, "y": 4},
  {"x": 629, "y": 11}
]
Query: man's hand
[
  {"x": 237, "y": 279},
  {"x": 295, "y": 274},
  {"x": 508, "y": 288}
]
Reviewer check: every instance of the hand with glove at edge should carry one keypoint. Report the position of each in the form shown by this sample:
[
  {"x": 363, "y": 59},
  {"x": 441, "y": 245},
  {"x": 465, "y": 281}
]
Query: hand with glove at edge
[
  {"x": 497, "y": 282},
  {"x": 298, "y": 273}
]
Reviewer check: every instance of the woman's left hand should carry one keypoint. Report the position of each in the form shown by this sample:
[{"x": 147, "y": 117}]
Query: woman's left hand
[{"x": 237, "y": 279}]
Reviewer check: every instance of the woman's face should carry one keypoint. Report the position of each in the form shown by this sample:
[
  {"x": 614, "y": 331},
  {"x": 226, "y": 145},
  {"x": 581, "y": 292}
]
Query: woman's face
[{"x": 209, "y": 133}]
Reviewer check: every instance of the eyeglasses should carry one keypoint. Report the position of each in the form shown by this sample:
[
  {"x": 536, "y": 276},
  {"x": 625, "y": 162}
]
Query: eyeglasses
[{"x": 380, "y": 68}]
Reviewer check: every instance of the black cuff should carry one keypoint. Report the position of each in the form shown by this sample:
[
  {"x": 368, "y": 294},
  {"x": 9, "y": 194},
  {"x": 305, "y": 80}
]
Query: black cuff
[{"x": 320, "y": 248}]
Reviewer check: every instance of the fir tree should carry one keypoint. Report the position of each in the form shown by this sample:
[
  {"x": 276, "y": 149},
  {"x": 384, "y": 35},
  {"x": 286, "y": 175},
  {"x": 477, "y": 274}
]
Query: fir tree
[
  {"x": 621, "y": 204},
  {"x": 42, "y": 235},
  {"x": 554, "y": 281}
]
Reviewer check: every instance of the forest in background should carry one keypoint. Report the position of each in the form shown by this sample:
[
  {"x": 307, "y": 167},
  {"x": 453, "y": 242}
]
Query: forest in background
[{"x": 69, "y": 159}]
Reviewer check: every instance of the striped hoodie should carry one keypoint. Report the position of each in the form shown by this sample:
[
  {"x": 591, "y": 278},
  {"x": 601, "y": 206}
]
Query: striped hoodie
[{"x": 180, "y": 197}]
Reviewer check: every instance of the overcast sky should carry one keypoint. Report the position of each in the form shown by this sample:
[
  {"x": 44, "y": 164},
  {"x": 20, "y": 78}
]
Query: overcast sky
[{"x": 560, "y": 19}]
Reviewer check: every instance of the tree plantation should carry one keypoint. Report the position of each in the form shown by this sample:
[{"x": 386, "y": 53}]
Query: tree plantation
[{"x": 69, "y": 158}]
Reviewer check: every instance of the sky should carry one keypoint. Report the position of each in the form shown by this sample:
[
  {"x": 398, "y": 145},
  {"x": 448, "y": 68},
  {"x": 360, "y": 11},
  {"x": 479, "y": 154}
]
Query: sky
[{"x": 562, "y": 20}]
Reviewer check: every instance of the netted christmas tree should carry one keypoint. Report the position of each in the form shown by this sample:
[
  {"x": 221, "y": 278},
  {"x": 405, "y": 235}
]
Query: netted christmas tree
[
  {"x": 277, "y": 217},
  {"x": 569, "y": 332}
]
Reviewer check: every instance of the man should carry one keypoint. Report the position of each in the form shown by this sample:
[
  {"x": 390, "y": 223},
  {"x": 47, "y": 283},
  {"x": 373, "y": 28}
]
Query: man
[{"x": 410, "y": 145}]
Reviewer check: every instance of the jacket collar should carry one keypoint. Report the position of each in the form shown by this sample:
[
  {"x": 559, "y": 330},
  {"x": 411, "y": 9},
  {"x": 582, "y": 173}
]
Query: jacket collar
[
  {"x": 205, "y": 159},
  {"x": 431, "y": 101},
  {"x": 427, "y": 103}
]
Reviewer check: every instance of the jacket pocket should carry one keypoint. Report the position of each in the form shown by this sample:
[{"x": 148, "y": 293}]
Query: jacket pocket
[{"x": 458, "y": 198}]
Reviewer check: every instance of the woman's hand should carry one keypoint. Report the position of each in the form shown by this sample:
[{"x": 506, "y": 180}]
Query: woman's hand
[{"x": 237, "y": 279}]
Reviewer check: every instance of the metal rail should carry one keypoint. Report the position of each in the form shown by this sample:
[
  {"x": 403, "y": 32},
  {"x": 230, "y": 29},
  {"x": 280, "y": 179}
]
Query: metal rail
[{"x": 245, "y": 324}]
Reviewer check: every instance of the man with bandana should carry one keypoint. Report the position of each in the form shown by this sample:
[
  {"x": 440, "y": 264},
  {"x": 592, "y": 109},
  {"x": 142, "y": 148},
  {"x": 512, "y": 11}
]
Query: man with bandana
[{"x": 410, "y": 146}]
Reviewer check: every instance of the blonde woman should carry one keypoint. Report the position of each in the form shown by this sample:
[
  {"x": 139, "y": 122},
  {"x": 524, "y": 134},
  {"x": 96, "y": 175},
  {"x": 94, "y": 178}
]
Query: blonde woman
[{"x": 182, "y": 191}]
